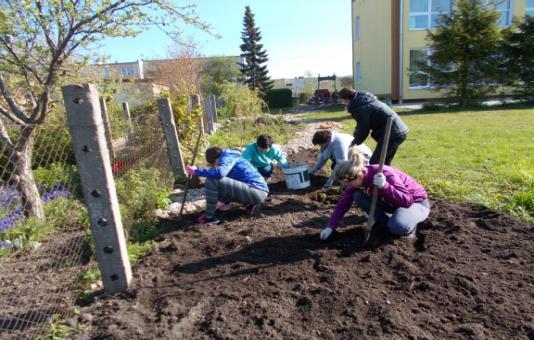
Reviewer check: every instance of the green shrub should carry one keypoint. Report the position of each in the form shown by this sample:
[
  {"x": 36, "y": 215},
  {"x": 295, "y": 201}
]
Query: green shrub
[
  {"x": 59, "y": 173},
  {"x": 279, "y": 98},
  {"x": 304, "y": 97}
]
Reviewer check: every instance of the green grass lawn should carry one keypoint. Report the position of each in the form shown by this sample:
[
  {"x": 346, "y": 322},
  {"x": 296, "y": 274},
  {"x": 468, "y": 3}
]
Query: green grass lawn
[{"x": 483, "y": 156}]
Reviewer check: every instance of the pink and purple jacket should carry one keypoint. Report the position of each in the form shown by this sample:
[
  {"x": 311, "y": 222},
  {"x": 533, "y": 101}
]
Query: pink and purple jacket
[{"x": 400, "y": 191}]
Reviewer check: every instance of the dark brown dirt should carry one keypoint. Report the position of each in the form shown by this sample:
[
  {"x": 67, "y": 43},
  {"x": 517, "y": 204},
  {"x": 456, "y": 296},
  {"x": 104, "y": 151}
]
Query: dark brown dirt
[{"x": 469, "y": 274}]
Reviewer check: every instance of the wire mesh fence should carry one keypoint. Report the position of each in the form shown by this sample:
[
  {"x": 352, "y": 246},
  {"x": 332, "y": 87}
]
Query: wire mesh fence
[
  {"x": 44, "y": 243},
  {"x": 47, "y": 264}
]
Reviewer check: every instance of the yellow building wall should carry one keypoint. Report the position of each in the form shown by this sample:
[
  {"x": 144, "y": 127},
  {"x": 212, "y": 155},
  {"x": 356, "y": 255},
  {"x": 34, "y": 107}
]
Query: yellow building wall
[
  {"x": 416, "y": 39},
  {"x": 373, "y": 49}
]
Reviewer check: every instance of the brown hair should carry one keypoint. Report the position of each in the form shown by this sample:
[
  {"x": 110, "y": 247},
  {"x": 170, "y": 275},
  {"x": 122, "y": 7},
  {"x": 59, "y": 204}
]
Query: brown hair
[
  {"x": 346, "y": 93},
  {"x": 321, "y": 137},
  {"x": 212, "y": 154}
]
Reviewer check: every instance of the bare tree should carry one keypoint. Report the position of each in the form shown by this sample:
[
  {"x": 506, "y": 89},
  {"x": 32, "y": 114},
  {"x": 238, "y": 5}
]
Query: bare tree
[{"x": 41, "y": 42}]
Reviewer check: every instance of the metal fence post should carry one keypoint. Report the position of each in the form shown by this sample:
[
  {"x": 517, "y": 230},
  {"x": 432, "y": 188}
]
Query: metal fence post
[
  {"x": 107, "y": 127},
  {"x": 90, "y": 148},
  {"x": 171, "y": 137},
  {"x": 127, "y": 116}
]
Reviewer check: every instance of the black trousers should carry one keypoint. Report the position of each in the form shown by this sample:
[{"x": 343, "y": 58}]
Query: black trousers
[{"x": 393, "y": 145}]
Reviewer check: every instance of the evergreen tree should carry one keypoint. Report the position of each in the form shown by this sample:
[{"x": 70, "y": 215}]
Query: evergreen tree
[
  {"x": 518, "y": 57},
  {"x": 464, "y": 59},
  {"x": 255, "y": 75}
]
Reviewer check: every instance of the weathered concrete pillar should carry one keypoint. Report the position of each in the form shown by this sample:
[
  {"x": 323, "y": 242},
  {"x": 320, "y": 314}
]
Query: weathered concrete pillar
[
  {"x": 92, "y": 156},
  {"x": 209, "y": 114},
  {"x": 195, "y": 103},
  {"x": 107, "y": 127},
  {"x": 214, "y": 104},
  {"x": 128, "y": 117},
  {"x": 171, "y": 137}
]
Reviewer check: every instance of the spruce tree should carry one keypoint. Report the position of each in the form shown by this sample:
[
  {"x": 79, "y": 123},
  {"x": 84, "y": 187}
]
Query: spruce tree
[
  {"x": 518, "y": 57},
  {"x": 255, "y": 74},
  {"x": 464, "y": 58}
]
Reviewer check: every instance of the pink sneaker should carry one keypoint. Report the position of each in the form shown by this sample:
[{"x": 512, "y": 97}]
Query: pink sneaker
[
  {"x": 203, "y": 219},
  {"x": 221, "y": 206}
]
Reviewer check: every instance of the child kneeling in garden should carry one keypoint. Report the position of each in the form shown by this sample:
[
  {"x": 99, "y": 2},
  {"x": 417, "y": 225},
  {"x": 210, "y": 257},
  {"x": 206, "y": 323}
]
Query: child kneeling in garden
[
  {"x": 230, "y": 178},
  {"x": 402, "y": 202},
  {"x": 262, "y": 153}
]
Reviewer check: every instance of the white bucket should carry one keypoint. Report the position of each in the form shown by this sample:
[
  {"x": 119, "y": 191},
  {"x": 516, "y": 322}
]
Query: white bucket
[{"x": 297, "y": 176}]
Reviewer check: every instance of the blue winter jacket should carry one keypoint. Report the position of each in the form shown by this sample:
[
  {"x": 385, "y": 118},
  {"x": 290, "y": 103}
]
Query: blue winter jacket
[{"x": 233, "y": 166}]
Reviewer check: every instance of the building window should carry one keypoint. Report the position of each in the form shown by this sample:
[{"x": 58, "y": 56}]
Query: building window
[
  {"x": 357, "y": 28},
  {"x": 127, "y": 72},
  {"x": 418, "y": 78},
  {"x": 504, "y": 8},
  {"x": 358, "y": 74},
  {"x": 530, "y": 7},
  {"x": 424, "y": 14},
  {"x": 106, "y": 73}
]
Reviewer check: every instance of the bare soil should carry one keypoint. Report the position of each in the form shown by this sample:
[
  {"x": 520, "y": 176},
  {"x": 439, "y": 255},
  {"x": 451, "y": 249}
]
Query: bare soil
[{"x": 468, "y": 274}]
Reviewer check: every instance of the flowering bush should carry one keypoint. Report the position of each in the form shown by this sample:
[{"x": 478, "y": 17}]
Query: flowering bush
[{"x": 15, "y": 230}]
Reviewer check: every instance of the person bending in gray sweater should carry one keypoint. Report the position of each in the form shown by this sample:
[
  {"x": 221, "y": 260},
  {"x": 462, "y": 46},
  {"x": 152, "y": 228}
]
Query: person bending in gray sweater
[{"x": 334, "y": 146}]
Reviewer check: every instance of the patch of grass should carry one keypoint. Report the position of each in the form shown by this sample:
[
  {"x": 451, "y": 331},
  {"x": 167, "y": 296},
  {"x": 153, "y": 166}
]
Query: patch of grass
[
  {"x": 483, "y": 156},
  {"x": 138, "y": 250},
  {"x": 233, "y": 135}
]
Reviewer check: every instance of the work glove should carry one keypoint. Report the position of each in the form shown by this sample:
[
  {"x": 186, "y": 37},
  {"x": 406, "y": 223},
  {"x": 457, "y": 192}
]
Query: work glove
[
  {"x": 379, "y": 180},
  {"x": 325, "y": 233},
  {"x": 284, "y": 165},
  {"x": 328, "y": 183},
  {"x": 190, "y": 169}
]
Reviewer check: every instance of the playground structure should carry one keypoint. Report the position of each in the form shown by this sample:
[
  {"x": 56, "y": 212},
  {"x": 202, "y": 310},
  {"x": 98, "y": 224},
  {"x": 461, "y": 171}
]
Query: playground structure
[{"x": 322, "y": 95}]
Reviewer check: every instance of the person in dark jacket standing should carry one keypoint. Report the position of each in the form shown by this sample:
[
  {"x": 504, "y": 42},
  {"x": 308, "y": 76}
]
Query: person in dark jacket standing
[{"x": 371, "y": 116}]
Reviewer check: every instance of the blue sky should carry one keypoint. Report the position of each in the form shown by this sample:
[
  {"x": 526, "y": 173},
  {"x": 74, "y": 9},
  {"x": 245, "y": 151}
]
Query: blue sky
[{"x": 300, "y": 36}]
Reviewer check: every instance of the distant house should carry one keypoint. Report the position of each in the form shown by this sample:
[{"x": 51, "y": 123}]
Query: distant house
[
  {"x": 388, "y": 37},
  {"x": 142, "y": 81}
]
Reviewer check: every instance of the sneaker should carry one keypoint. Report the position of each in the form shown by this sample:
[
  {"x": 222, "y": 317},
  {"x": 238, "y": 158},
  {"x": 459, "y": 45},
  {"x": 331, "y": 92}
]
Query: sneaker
[
  {"x": 203, "y": 219},
  {"x": 254, "y": 210},
  {"x": 222, "y": 206},
  {"x": 329, "y": 183},
  {"x": 411, "y": 236}
]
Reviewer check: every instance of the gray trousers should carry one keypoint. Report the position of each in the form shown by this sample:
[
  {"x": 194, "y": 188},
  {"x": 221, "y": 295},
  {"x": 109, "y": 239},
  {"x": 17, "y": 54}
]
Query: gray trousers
[
  {"x": 400, "y": 221},
  {"x": 229, "y": 190}
]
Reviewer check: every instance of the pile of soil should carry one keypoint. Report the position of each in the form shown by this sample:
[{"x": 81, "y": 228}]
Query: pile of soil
[{"x": 469, "y": 273}]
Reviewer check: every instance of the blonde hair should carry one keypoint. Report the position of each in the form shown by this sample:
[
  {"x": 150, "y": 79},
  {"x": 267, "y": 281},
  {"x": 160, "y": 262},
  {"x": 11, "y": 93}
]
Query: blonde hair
[{"x": 352, "y": 167}]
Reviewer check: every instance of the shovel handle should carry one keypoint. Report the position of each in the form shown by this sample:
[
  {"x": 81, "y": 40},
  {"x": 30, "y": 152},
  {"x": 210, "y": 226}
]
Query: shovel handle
[
  {"x": 383, "y": 153},
  {"x": 189, "y": 176}
]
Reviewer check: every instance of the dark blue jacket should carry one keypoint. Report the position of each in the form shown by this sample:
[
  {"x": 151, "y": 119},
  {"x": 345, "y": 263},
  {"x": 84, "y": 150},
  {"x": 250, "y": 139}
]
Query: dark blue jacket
[
  {"x": 371, "y": 116},
  {"x": 232, "y": 165}
]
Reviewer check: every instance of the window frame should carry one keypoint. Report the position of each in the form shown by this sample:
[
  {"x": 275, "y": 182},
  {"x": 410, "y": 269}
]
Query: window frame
[
  {"x": 358, "y": 75},
  {"x": 529, "y": 9},
  {"x": 428, "y": 85},
  {"x": 357, "y": 28},
  {"x": 429, "y": 13},
  {"x": 509, "y": 11}
]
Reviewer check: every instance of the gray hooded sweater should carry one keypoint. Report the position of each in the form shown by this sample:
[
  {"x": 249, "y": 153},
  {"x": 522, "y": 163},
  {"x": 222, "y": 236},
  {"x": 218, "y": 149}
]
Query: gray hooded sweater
[{"x": 371, "y": 116}]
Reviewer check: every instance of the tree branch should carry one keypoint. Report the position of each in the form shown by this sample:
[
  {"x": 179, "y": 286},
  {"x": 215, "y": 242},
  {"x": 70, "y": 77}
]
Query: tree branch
[
  {"x": 4, "y": 136},
  {"x": 14, "y": 108}
]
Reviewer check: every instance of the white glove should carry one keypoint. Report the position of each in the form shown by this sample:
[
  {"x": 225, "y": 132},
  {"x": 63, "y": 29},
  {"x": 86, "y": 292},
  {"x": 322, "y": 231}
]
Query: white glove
[
  {"x": 328, "y": 183},
  {"x": 325, "y": 233},
  {"x": 379, "y": 180}
]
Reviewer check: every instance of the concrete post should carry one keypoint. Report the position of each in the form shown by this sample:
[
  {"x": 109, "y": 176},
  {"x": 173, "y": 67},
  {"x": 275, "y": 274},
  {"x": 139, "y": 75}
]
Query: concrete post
[
  {"x": 195, "y": 103},
  {"x": 209, "y": 114},
  {"x": 171, "y": 137},
  {"x": 90, "y": 148},
  {"x": 107, "y": 127},
  {"x": 127, "y": 116},
  {"x": 214, "y": 104}
]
